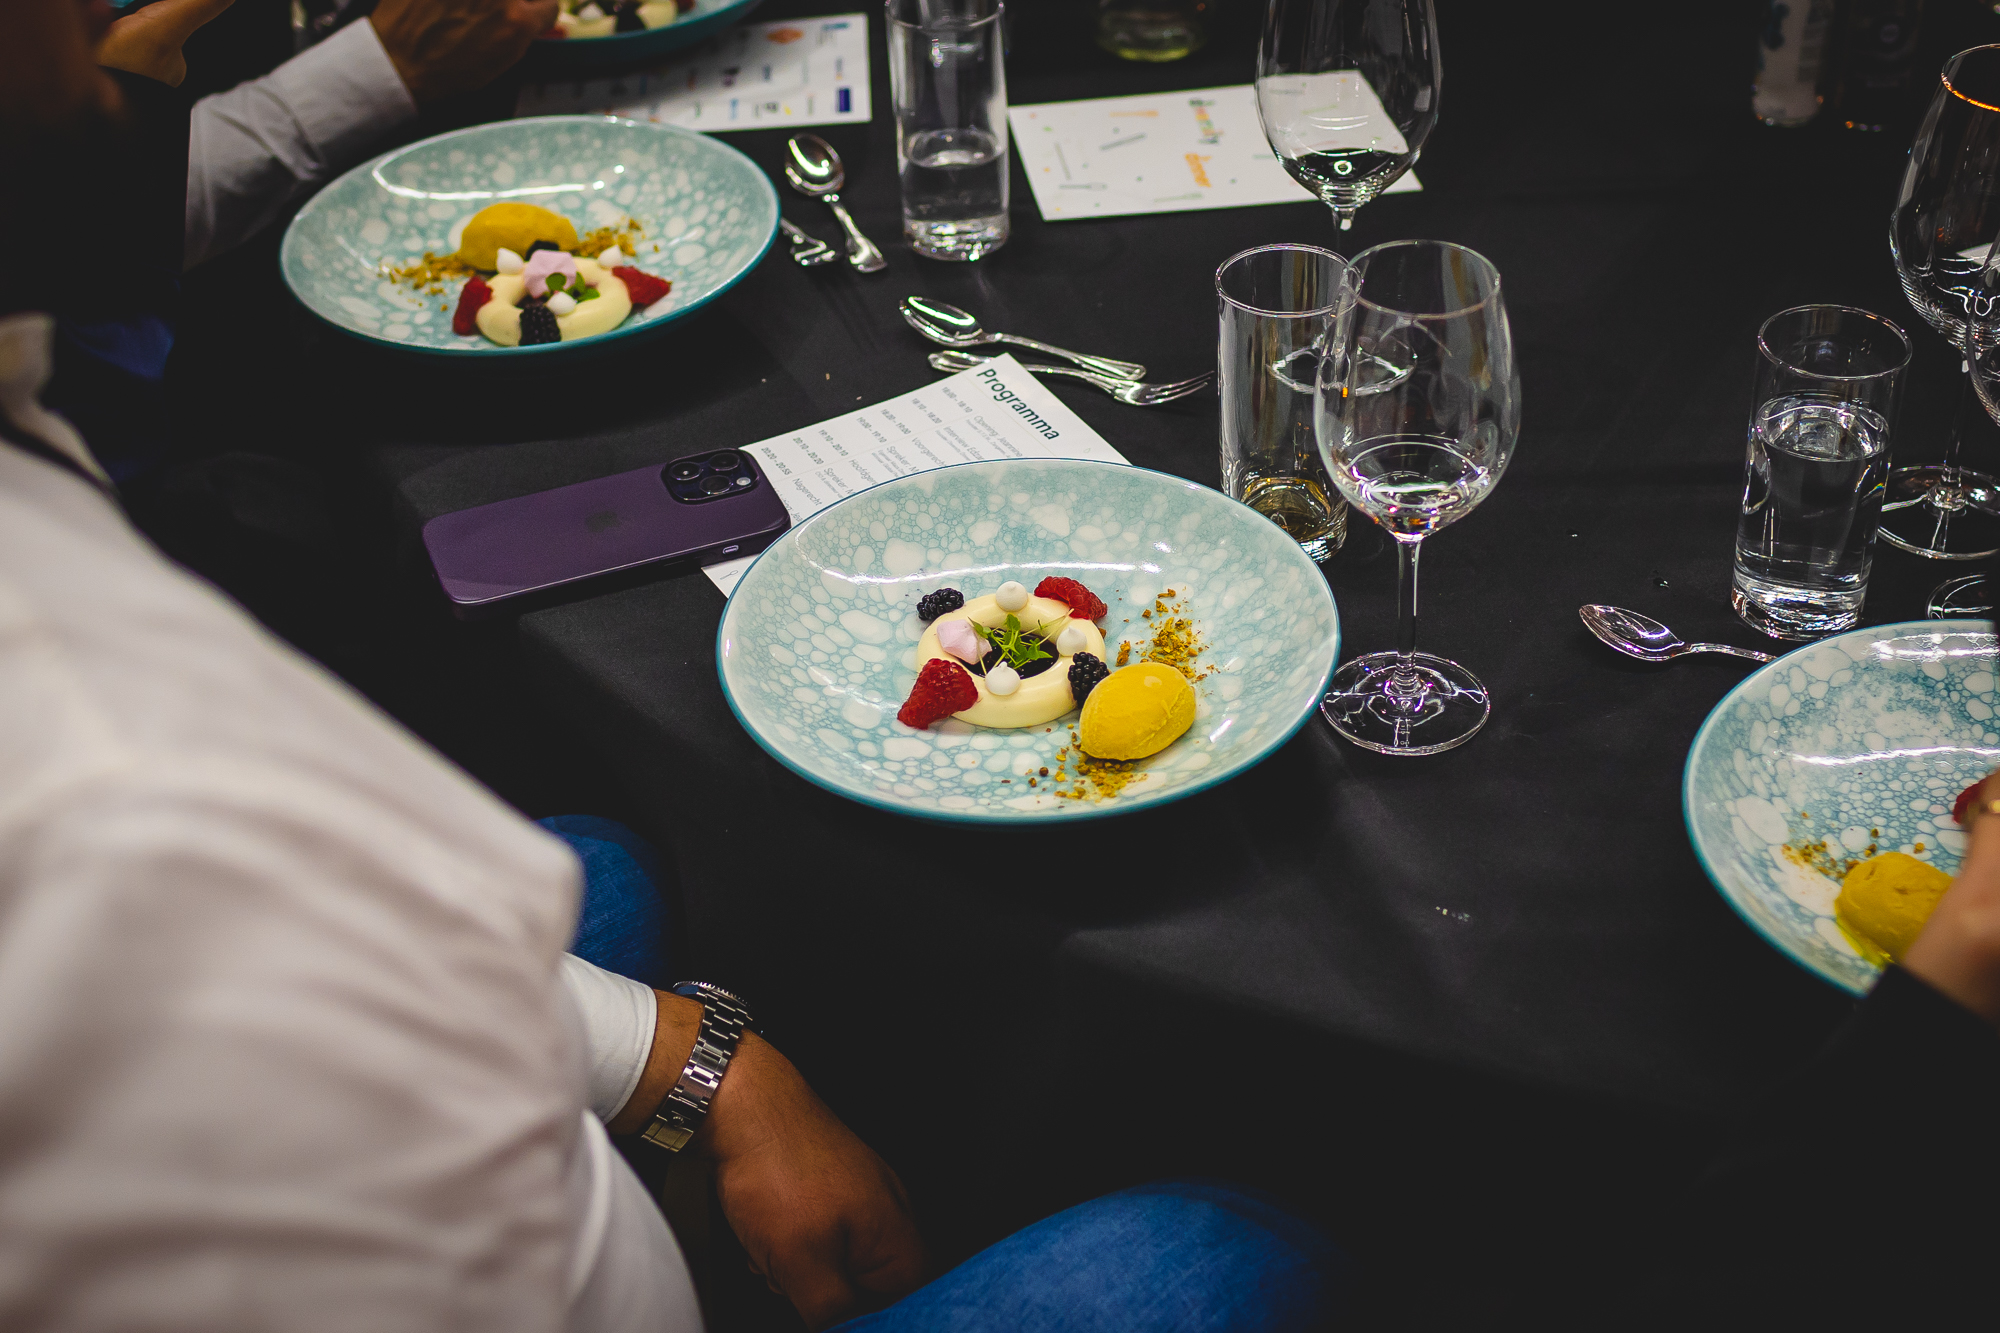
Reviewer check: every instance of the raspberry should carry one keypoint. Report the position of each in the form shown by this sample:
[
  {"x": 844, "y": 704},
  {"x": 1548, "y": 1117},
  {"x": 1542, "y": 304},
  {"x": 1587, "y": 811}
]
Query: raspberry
[
  {"x": 942, "y": 688},
  {"x": 1085, "y": 671},
  {"x": 642, "y": 287},
  {"x": 473, "y": 295},
  {"x": 939, "y": 603},
  {"x": 538, "y": 324},
  {"x": 1081, "y": 601},
  {"x": 1964, "y": 801}
]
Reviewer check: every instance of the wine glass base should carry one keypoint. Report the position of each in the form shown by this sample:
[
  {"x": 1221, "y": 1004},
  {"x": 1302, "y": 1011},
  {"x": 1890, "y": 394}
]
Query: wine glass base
[
  {"x": 1966, "y": 595},
  {"x": 1435, "y": 704},
  {"x": 1941, "y": 516}
]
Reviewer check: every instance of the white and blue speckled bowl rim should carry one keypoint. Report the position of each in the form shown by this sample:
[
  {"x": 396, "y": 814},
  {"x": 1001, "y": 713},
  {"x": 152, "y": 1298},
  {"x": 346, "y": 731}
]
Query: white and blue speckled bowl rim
[
  {"x": 541, "y": 349},
  {"x": 1096, "y": 810},
  {"x": 1727, "y": 702}
]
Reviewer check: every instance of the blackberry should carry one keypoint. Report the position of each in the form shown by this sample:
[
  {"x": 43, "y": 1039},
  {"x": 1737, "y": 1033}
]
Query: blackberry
[
  {"x": 538, "y": 324},
  {"x": 1085, "y": 671},
  {"x": 940, "y": 602},
  {"x": 540, "y": 245},
  {"x": 628, "y": 17}
]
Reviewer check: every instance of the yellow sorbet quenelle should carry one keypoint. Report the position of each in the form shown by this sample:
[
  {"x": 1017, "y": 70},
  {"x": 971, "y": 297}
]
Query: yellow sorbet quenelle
[
  {"x": 1136, "y": 711},
  {"x": 1884, "y": 902},
  {"x": 513, "y": 227}
]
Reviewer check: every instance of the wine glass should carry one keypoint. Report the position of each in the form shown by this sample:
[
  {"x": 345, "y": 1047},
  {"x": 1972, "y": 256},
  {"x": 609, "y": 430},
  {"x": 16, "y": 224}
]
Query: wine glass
[
  {"x": 1415, "y": 449},
  {"x": 1946, "y": 217},
  {"x": 1972, "y": 594},
  {"x": 1348, "y": 92}
]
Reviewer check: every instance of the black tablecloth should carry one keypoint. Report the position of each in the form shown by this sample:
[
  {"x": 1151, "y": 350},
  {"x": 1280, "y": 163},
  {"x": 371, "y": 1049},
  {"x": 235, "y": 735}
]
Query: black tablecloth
[{"x": 1440, "y": 988}]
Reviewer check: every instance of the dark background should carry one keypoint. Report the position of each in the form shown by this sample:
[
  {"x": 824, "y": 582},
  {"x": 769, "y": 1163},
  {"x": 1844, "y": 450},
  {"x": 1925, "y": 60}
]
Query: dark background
[{"x": 1481, "y": 1013}]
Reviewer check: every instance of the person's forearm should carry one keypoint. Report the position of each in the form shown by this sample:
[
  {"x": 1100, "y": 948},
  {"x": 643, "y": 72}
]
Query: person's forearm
[{"x": 254, "y": 150}]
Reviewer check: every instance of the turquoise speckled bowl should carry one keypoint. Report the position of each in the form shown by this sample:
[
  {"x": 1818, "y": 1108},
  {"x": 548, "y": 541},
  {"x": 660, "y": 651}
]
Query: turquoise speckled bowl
[
  {"x": 709, "y": 215},
  {"x": 566, "y": 55},
  {"x": 1858, "y": 740},
  {"x": 817, "y": 645}
]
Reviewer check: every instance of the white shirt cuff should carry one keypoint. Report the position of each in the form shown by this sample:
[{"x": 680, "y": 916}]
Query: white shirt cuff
[
  {"x": 344, "y": 92},
  {"x": 618, "y": 1016}
]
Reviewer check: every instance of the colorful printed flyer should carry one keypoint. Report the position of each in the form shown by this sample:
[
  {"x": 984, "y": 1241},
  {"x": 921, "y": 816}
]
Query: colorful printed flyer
[
  {"x": 1163, "y": 153},
  {"x": 753, "y": 76}
]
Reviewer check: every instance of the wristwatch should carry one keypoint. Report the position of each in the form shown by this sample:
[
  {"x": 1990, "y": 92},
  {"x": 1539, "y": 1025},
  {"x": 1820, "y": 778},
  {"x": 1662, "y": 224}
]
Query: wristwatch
[{"x": 723, "y": 1018}]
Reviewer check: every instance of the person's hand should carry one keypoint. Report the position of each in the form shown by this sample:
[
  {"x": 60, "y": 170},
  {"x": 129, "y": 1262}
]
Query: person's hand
[
  {"x": 823, "y": 1219},
  {"x": 441, "y": 47},
  {"x": 1958, "y": 951},
  {"x": 149, "y": 41}
]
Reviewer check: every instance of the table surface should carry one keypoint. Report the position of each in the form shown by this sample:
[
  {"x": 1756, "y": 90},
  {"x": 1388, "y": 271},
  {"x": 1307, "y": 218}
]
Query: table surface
[{"x": 1525, "y": 908}]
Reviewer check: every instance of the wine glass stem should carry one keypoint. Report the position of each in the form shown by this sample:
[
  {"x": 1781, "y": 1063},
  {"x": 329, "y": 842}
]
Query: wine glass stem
[
  {"x": 1406, "y": 681},
  {"x": 1345, "y": 217}
]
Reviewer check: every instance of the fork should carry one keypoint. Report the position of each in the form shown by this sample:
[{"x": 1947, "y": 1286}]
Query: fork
[{"x": 1125, "y": 391}]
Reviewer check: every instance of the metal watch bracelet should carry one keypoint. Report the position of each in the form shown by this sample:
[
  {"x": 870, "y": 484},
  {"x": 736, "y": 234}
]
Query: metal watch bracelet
[{"x": 723, "y": 1018}]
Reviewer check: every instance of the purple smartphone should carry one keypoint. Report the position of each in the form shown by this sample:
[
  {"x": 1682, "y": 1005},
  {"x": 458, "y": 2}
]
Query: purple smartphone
[{"x": 698, "y": 509}]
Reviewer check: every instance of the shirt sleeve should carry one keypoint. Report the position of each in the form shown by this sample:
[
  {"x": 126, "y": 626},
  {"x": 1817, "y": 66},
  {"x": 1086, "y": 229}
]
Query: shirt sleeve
[
  {"x": 618, "y": 1019},
  {"x": 254, "y": 150},
  {"x": 1857, "y": 1190}
]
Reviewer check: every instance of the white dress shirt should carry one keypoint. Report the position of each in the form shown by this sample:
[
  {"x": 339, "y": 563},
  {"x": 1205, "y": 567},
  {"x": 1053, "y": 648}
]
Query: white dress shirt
[
  {"x": 288, "y": 1039},
  {"x": 256, "y": 149}
]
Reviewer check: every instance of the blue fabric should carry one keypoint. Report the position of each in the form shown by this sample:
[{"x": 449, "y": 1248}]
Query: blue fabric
[
  {"x": 1179, "y": 1256},
  {"x": 622, "y": 923}
]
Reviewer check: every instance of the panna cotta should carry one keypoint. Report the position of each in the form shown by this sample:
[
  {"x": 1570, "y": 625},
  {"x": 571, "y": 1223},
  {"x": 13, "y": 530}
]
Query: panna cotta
[{"x": 1035, "y": 699}]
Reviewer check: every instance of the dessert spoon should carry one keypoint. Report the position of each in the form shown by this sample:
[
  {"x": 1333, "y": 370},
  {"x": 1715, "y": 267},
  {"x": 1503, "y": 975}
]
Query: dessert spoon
[
  {"x": 952, "y": 327},
  {"x": 1647, "y": 639},
  {"x": 1125, "y": 391},
  {"x": 807, "y": 249},
  {"x": 815, "y": 171}
]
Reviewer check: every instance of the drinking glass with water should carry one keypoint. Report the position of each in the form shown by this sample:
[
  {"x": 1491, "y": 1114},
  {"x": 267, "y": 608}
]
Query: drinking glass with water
[
  {"x": 949, "y": 85},
  {"x": 1828, "y": 379}
]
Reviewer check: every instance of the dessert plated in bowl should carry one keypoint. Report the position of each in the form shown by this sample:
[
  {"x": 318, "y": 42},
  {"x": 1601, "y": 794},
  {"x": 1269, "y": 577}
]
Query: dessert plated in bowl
[
  {"x": 589, "y": 229},
  {"x": 599, "y": 34},
  {"x": 1820, "y": 792},
  {"x": 1027, "y": 640}
]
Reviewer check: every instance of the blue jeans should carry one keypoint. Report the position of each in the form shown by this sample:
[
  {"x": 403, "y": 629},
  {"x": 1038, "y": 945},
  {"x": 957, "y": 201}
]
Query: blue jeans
[
  {"x": 1176, "y": 1256},
  {"x": 1180, "y": 1256},
  {"x": 621, "y": 925}
]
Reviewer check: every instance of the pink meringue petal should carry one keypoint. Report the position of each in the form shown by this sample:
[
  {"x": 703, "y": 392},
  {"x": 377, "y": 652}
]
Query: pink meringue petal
[{"x": 956, "y": 637}]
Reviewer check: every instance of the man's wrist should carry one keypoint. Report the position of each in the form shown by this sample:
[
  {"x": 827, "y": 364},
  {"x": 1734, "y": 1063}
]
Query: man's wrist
[{"x": 674, "y": 1032}]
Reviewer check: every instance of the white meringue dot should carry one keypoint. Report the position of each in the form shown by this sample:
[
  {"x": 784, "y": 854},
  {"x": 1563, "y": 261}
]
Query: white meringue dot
[{"x": 1011, "y": 596}]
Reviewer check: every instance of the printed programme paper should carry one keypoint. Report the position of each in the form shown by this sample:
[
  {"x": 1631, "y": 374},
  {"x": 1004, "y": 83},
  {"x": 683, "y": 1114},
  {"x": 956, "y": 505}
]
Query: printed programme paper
[
  {"x": 996, "y": 411},
  {"x": 1177, "y": 152},
  {"x": 753, "y": 76}
]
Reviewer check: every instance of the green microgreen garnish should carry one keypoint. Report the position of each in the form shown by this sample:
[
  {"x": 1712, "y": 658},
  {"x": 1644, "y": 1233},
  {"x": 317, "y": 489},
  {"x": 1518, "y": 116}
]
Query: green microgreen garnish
[
  {"x": 556, "y": 282},
  {"x": 587, "y": 294},
  {"x": 1016, "y": 650}
]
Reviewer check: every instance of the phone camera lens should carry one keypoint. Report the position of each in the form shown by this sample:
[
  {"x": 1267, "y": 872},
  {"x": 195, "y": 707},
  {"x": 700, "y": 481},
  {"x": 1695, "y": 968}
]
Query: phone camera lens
[
  {"x": 743, "y": 481},
  {"x": 726, "y": 461},
  {"x": 685, "y": 471},
  {"x": 714, "y": 485}
]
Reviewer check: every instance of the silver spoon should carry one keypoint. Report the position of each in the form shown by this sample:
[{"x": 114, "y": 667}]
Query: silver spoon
[
  {"x": 815, "y": 171},
  {"x": 1647, "y": 639},
  {"x": 953, "y": 327},
  {"x": 807, "y": 249},
  {"x": 1125, "y": 391}
]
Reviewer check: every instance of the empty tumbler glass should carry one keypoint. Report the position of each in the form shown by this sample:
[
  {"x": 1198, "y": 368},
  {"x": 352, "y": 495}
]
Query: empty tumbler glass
[
  {"x": 949, "y": 86},
  {"x": 1828, "y": 379}
]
